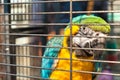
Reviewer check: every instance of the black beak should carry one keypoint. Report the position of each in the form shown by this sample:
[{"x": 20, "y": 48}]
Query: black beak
[{"x": 89, "y": 42}]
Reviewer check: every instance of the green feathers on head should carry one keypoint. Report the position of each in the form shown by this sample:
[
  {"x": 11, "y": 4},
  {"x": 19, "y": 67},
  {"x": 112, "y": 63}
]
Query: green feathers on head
[{"x": 94, "y": 22}]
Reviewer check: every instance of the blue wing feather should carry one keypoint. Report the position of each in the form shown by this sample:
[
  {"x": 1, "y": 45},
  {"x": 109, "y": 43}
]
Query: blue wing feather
[{"x": 50, "y": 52}]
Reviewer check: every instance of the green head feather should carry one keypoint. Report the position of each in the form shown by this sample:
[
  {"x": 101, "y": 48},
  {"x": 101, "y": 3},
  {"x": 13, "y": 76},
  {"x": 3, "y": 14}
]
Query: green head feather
[{"x": 94, "y": 22}]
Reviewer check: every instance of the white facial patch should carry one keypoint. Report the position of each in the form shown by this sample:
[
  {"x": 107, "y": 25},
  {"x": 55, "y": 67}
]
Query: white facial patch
[{"x": 87, "y": 38}]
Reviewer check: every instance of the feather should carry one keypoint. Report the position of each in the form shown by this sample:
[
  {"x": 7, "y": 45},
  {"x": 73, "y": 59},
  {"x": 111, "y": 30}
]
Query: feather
[{"x": 50, "y": 53}]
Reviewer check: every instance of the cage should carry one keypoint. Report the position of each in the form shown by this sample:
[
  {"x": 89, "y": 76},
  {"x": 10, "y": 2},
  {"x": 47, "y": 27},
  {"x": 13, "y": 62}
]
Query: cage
[{"x": 27, "y": 25}]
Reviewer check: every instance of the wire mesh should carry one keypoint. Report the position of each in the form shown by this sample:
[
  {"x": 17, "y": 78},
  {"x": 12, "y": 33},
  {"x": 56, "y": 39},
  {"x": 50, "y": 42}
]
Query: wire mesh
[{"x": 27, "y": 25}]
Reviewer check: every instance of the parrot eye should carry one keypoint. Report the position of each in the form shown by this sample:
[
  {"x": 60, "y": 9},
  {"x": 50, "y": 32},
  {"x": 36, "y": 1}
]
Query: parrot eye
[{"x": 84, "y": 30}]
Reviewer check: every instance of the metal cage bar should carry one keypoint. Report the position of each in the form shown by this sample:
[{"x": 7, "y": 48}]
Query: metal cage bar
[{"x": 26, "y": 26}]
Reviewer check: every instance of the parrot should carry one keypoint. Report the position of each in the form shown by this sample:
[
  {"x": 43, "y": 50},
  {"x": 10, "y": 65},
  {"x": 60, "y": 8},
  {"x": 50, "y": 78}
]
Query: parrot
[{"x": 56, "y": 58}]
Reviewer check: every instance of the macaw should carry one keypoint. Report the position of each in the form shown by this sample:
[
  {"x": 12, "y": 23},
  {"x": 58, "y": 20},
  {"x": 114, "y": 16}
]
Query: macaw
[{"x": 56, "y": 58}]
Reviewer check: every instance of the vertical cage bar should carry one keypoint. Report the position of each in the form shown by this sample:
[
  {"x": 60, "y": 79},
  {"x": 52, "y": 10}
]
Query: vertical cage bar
[
  {"x": 70, "y": 39},
  {"x": 2, "y": 57},
  {"x": 7, "y": 21}
]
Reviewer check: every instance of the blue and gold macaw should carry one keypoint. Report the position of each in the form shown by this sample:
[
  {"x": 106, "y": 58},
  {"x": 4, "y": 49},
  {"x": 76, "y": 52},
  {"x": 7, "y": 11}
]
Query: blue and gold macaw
[{"x": 56, "y": 58}]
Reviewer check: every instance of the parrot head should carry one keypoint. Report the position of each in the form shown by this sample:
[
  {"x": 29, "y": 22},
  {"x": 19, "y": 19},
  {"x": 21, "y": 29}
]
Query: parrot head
[{"x": 91, "y": 34}]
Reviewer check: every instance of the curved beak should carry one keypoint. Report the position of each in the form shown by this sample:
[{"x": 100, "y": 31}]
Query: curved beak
[{"x": 96, "y": 40}]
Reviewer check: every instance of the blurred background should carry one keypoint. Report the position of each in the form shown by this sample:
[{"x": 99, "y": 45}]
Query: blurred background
[{"x": 26, "y": 26}]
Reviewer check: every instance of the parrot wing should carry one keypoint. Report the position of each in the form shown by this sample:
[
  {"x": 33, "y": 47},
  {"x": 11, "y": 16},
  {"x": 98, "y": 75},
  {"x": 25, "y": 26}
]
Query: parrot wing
[{"x": 51, "y": 52}]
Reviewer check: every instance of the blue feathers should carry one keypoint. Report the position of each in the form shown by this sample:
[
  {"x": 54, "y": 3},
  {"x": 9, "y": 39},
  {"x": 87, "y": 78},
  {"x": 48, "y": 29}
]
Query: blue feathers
[{"x": 53, "y": 47}]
